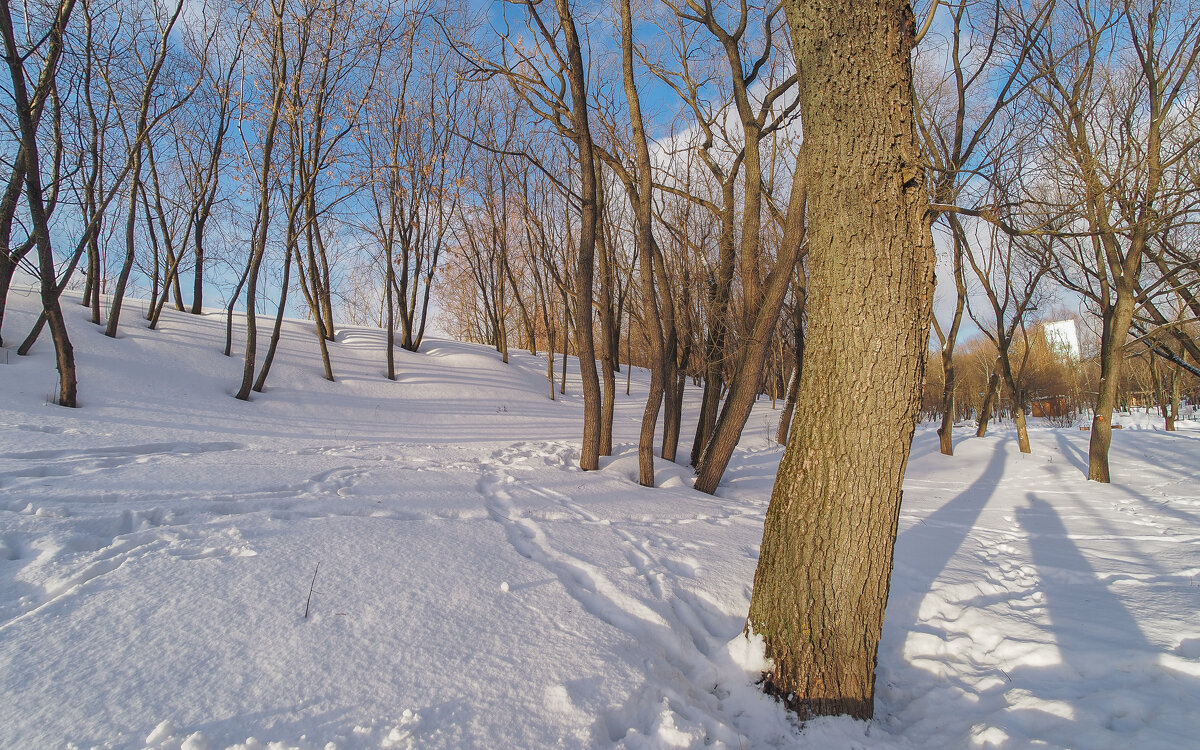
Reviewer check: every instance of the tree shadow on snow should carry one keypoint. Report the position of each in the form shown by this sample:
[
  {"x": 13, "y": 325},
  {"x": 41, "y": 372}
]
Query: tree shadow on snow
[
  {"x": 1073, "y": 454},
  {"x": 1103, "y": 685},
  {"x": 1073, "y": 590},
  {"x": 933, "y": 541}
]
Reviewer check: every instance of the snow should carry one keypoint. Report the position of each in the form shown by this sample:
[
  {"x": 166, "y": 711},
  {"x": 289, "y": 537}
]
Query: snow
[{"x": 476, "y": 589}]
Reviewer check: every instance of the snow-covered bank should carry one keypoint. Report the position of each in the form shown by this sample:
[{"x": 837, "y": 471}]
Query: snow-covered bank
[{"x": 475, "y": 589}]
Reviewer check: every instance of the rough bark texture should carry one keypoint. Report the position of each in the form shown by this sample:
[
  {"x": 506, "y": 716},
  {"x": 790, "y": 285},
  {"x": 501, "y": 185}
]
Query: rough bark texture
[{"x": 823, "y": 575}]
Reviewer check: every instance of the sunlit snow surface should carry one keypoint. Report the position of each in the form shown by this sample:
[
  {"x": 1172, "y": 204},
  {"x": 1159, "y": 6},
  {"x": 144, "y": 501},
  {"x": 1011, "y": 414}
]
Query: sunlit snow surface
[{"x": 475, "y": 589}]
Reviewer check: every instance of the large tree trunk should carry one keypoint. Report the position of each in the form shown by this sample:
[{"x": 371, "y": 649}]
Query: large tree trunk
[{"x": 823, "y": 575}]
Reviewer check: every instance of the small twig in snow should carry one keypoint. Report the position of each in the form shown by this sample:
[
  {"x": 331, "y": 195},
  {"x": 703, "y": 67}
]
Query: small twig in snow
[{"x": 311, "y": 586}]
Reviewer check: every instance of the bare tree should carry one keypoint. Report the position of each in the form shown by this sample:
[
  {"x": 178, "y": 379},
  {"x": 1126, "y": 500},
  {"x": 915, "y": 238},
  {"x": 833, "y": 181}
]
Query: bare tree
[
  {"x": 549, "y": 73},
  {"x": 163, "y": 22},
  {"x": 1009, "y": 271},
  {"x": 29, "y": 106},
  {"x": 270, "y": 32},
  {"x": 1116, "y": 108}
]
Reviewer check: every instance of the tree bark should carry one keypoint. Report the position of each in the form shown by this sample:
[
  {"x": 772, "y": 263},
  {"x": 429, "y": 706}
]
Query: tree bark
[
  {"x": 1174, "y": 413},
  {"x": 946, "y": 430},
  {"x": 752, "y": 354},
  {"x": 793, "y": 387},
  {"x": 1112, "y": 340},
  {"x": 261, "y": 382},
  {"x": 263, "y": 219},
  {"x": 1018, "y": 395},
  {"x": 589, "y": 457},
  {"x": 822, "y": 580},
  {"x": 64, "y": 351},
  {"x": 989, "y": 402}
]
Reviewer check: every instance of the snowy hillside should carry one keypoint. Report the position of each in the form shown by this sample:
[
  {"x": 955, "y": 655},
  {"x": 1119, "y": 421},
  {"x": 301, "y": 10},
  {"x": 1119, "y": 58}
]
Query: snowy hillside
[{"x": 475, "y": 589}]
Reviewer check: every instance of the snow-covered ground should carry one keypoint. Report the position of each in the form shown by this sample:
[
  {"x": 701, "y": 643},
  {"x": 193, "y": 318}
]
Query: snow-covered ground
[{"x": 475, "y": 589}]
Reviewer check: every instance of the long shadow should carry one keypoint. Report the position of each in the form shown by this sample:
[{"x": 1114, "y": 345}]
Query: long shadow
[
  {"x": 933, "y": 541},
  {"x": 1109, "y": 689},
  {"x": 1079, "y": 460},
  {"x": 1080, "y": 605},
  {"x": 1160, "y": 506},
  {"x": 1077, "y": 457}
]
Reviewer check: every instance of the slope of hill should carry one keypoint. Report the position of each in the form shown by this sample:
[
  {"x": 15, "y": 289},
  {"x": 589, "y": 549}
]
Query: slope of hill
[{"x": 421, "y": 564}]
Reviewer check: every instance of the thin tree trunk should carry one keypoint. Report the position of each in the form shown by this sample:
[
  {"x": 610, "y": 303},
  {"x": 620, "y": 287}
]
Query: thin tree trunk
[
  {"x": 1174, "y": 413},
  {"x": 261, "y": 382},
  {"x": 262, "y": 221},
  {"x": 118, "y": 296},
  {"x": 789, "y": 405},
  {"x": 237, "y": 291},
  {"x": 388, "y": 281},
  {"x": 989, "y": 401},
  {"x": 608, "y": 353},
  {"x": 714, "y": 356},
  {"x": 562, "y": 389},
  {"x": 1112, "y": 340},
  {"x": 1018, "y": 395},
  {"x": 752, "y": 355},
  {"x": 589, "y": 457},
  {"x": 36, "y": 202},
  {"x": 709, "y": 395},
  {"x": 629, "y": 358},
  {"x": 945, "y": 431},
  {"x": 550, "y": 334}
]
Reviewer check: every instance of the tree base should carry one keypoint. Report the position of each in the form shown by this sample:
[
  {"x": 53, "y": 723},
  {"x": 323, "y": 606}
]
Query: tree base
[{"x": 812, "y": 707}]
